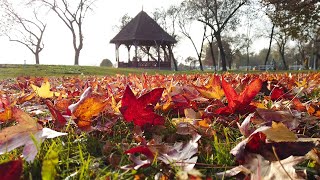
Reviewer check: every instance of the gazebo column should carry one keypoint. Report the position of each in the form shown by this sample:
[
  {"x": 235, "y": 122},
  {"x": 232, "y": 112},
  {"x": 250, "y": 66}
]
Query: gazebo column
[
  {"x": 158, "y": 50},
  {"x": 148, "y": 49},
  {"x": 117, "y": 53},
  {"x": 136, "y": 52},
  {"x": 128, "y": 47},
  {"x": 172, "y": 58}
]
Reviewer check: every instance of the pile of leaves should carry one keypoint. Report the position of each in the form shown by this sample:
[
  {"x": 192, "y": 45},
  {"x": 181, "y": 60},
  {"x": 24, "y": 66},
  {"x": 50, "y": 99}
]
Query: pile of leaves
[{"x": 200, "y": 126}]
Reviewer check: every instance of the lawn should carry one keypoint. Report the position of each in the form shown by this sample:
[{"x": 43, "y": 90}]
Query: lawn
[
  {"x": 61, "y": 70},
  {"x": 75, "y": 122}
]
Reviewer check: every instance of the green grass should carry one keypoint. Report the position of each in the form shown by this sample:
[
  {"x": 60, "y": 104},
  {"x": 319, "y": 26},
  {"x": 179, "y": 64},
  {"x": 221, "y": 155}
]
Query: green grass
[
  {"x": 9, "y": 71},
  {"x": 16, "y": 70}
]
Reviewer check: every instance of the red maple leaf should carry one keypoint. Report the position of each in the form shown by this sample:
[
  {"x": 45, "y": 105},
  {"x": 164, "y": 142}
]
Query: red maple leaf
[
  {"x": 141, "y": 110},
  {"x": 239, "y": 103}
]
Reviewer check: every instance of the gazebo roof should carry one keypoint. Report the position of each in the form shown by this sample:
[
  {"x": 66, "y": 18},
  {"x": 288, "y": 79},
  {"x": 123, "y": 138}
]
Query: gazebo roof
[{"x": 144, "y": 31}]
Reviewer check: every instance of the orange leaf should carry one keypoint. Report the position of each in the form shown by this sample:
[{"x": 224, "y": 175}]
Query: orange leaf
[
  {"x": 6, "y": 114},
  {"x": 90, "y": 105},
  {"x": 5, "y": 110},
  {"x": 212, "y": 90}
]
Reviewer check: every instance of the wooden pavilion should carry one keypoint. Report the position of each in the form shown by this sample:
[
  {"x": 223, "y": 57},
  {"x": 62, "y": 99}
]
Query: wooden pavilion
[{"x": 144, "y": 32}]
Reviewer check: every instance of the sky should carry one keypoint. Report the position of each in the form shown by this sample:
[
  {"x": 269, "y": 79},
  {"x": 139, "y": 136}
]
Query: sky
[{"x": 99, "y": 29}]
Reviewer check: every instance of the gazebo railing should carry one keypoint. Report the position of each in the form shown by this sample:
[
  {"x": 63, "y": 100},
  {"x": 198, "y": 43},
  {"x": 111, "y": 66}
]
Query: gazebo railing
[{"x": 145, "y": 64}]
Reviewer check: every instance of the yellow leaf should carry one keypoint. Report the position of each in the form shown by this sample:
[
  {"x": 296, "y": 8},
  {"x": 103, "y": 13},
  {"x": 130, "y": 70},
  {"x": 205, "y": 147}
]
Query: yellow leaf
[
  {"x": 302, "y": 83},
  {"x": 115, "y": 106},
  {"x": 44, "y": 90},
  {"x": 176, "y": 121}
]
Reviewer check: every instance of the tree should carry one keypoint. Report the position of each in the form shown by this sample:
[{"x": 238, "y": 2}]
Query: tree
[
  {"x": 72, "y": 15},
  {"x": 298, "y": 19},
  {"x": 106, "y": 62},
  {"x": 218, "y": 15},
  {"x": 28, "y": 32},
  {"x": 270, "y": 44},
  {"x": 214, "y": 49},
  {"x": 191, "y": 61},
  {"x": 185, "y": 21},
  {"x": 167, "y": 19},
  {"x": 281, "y": 39},
  {"x": 124, "y": 20},
  {"x": 295, "y": 17}
]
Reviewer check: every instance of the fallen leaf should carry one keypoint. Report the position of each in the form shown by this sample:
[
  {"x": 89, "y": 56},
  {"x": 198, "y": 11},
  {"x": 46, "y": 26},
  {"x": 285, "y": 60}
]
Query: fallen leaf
[
  {"x": 140, "y": 110},
  {"x": 60, "y": 121},
  {"x": 181, "y": 155},
  {"x": 44, "y": 90},
  {"x": 87, "y": 107},
  {"x": 213, "y": 89},
  {"x": 257, "y": 167},
  {"x": 5, "y": 109},
  {"x": 239, "y": 103},
  {"x": 138, "y": 162},
  {"x": 23, "y": 134},
  {"x": 11, "y": 170},
  {"x": 279, "y": 133}
]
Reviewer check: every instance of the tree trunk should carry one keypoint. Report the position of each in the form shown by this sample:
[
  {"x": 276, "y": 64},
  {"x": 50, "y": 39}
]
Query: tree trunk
[
  {"x": 200, "y": 53},
  {"x": 222, "y": 53},
  {"x": 173, "y": 59},
  {"x": 317, "y": 61},
  {"x": 283, "y": 59},
  {"x": 37, "y": 57},
  {"x": 270, "y": 43},
  {"x": 212, "y": 53},
  {"x": 230, "y": 63},
  {"x": 76, "y": 56},
  {"x": 248, "y": 57}
]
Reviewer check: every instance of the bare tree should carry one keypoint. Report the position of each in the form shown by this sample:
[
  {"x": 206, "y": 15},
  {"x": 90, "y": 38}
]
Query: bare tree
[
  {"x": 184, "y": 22},
  {"x": 270, "y": 44},
  {"x": 28, "y": 32},
  {"x": 217, "y": 14},
  {"x": 72, "y": 15},
  {"x": 167, "y": 19},
  {"x": 281, "y": 39}
]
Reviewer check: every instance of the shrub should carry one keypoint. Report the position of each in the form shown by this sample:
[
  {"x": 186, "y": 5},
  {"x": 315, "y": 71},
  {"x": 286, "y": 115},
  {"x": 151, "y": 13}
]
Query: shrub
[{"x": 106, "y": 62}]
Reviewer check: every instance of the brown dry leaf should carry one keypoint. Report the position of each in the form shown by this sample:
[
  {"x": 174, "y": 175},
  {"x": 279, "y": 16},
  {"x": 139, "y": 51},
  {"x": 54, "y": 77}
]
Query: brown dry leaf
[
  {"x": 191, "y": 114},
  {"x": 279, "y": 133}
]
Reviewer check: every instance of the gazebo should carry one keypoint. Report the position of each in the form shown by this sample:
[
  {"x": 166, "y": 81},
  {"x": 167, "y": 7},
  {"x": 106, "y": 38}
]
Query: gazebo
[{"x": 144, "y": 32}]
